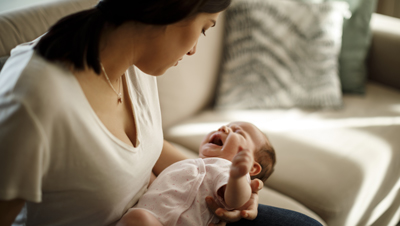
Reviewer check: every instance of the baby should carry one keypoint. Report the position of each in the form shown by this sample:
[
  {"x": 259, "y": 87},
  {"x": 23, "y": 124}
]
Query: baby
[{"x": 228, "y": 158}]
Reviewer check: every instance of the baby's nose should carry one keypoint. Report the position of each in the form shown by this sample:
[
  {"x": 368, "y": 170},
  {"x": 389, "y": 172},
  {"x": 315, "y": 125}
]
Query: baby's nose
[{"x": 225, "y": 129}]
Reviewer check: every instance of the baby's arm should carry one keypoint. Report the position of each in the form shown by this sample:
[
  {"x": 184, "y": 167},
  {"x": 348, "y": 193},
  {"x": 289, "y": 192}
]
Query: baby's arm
[{"x": 238, "y": 190}]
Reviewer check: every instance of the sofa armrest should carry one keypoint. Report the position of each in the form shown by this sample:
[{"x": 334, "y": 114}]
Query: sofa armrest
[
  {"x": 27, "y": 24},
  {"x": 384, "y": 56}
]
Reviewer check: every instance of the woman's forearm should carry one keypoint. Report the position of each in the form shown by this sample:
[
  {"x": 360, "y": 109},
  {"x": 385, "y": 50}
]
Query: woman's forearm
[
  {"x": 9, "y": 210},
  {"x": 169, "y": 155},
  {"x": 237, "y": 192}
]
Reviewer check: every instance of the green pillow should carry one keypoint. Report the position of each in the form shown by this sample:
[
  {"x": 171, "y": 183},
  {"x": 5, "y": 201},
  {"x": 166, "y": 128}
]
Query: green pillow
[{"x": 355, "y": 45}]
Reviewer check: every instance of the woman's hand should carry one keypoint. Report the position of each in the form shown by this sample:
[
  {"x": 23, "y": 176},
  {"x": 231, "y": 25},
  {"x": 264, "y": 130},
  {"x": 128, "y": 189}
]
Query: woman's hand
[
  {"x": 249, "y": 212},
  {"x": 9, "y": 210}
]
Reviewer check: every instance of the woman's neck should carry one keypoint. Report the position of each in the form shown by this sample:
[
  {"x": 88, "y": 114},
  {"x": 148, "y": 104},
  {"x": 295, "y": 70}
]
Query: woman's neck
[{"x": 116, "y": 52}]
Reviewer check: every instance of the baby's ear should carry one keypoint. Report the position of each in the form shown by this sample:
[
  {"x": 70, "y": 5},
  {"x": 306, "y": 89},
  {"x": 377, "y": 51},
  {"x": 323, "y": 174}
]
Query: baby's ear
[{"x": 255, "y": 169}]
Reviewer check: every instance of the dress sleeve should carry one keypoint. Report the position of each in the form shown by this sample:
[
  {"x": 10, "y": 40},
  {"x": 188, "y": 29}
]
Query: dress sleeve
[{"x": 23, "y": 157}]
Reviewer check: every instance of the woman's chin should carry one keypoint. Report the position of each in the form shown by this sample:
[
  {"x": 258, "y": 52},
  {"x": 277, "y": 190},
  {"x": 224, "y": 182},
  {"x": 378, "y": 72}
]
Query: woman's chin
[
  {"x": 159, "y": 71},
  {"x": 154, "y": 72}
]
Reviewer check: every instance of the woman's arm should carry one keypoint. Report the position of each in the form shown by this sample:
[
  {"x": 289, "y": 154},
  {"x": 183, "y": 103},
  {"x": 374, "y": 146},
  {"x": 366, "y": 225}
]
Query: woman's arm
[
  {"x": 9, "y": 210},
  {"x": 169, "y": 155}
]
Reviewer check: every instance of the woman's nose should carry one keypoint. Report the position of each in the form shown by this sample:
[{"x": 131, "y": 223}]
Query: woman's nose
[{"x": 192, "y": 51}]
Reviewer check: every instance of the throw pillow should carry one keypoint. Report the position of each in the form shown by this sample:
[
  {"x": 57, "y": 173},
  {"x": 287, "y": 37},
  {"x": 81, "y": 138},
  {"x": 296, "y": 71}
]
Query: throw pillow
[
  {"x": 281, "y": 54},
  {"x": 355, "y": 45}
]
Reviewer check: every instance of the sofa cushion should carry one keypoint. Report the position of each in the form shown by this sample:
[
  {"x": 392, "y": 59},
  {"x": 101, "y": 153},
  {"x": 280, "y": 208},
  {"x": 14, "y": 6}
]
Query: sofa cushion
[
  {"x": 343, "y": 165},
  {"x": 281, "y": 54}
]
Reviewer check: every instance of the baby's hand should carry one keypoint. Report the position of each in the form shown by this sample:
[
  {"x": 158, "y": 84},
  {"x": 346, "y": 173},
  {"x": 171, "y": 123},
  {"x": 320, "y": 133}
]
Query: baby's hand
[{"x": 241, "y": 163}]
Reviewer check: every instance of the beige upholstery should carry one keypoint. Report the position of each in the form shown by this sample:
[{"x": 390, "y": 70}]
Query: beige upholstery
[
  {"x": 28, "y": 24},
  {"x": 389, "y": 7},
  {"x": 340, "y": 167},
  {"x": 384, "y": 62}
]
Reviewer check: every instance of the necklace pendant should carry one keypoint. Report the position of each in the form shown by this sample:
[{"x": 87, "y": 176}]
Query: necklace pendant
[{"x": 119, "y": 98}]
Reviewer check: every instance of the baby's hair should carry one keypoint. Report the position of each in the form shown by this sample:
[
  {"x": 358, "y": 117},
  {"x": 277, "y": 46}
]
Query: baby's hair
[{"x": 265, "y": 156}]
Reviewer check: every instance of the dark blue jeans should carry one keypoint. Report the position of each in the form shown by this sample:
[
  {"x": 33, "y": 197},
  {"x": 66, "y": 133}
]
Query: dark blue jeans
[{"x": 273, "y": 216}]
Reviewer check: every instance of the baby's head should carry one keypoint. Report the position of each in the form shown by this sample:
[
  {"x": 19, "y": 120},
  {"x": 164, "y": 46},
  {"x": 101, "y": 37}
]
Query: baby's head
[{"x": 225, "y": 143}]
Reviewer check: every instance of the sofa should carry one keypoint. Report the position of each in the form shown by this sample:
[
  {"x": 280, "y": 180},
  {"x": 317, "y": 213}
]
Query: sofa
[{"x": 339, "y": 166}]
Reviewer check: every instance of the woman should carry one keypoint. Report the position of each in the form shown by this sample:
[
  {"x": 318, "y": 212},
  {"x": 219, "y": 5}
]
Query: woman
[{"x": 80, "y": 123}]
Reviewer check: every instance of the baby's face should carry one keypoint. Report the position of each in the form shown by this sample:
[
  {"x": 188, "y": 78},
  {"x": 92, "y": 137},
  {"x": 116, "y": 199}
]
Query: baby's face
[{"x": 225, "y": 142}]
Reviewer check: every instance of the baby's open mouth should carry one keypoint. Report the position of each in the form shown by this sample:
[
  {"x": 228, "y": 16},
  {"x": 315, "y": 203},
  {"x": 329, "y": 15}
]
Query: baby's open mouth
[{"x": 216, "y": 140}]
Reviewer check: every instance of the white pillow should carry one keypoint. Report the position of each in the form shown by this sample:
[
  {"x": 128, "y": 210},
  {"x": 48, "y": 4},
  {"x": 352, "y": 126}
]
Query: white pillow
[{"x": 281, "y": 53}]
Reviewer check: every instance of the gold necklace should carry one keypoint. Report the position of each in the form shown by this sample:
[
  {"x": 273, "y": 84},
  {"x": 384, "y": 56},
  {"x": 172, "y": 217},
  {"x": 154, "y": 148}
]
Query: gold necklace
[{"x": 119, "y": 85}]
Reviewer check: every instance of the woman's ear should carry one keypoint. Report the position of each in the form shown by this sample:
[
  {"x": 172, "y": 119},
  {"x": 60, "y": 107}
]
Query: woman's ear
[{"x": 256, "y": 169}]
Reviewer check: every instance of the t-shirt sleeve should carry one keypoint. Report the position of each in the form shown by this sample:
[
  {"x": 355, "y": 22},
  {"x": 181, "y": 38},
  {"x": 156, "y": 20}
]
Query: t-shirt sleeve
[{"x": 22, "y": 152}]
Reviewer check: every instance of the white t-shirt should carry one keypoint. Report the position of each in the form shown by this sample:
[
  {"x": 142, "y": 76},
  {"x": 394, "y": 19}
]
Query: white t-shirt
[{"x": 56, "y": 153}]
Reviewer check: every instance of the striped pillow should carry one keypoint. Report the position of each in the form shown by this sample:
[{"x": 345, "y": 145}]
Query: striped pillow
[{"x": 281, "y": 54}]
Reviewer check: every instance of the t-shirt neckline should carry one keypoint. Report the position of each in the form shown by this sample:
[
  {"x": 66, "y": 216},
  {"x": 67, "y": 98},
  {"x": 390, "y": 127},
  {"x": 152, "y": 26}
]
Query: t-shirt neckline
[{"x": 101, "y": 124}]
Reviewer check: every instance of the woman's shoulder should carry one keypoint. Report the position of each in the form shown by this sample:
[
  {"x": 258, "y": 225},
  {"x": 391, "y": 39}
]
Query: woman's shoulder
[
  {"x": 26, "y": 68},
  {"x": 37, "y": 83}
]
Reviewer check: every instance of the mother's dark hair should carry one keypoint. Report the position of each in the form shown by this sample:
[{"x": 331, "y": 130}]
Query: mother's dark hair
[{"x": 75, "y": 38}]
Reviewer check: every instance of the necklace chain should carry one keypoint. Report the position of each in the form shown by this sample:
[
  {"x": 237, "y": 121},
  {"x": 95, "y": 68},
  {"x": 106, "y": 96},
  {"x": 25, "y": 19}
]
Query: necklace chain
[{"x": 109, "y": 82}]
